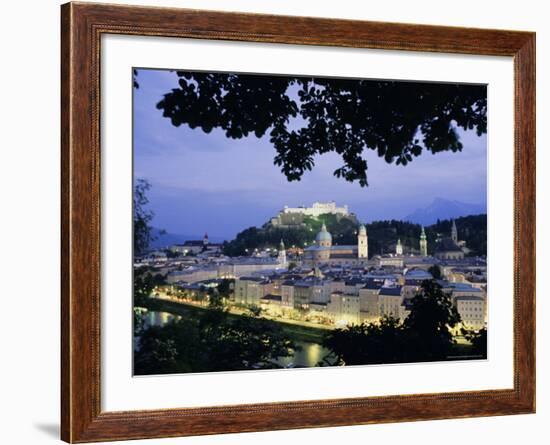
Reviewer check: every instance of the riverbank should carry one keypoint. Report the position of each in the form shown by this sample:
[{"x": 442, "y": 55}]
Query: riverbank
[
  {"x": 297, "y": 332},
  {"x": 308, "y": 339}
]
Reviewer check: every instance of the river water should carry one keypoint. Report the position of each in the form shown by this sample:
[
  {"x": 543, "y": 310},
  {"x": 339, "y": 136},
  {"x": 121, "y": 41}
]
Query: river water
[
  {"x": 307, "y": 355},
  {"x": 158, "y": 318}
]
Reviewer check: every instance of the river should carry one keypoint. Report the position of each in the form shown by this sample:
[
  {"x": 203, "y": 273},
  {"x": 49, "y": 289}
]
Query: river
[
  {"x": 158, "y": 318},
  {"x": 307, "y": 355}
]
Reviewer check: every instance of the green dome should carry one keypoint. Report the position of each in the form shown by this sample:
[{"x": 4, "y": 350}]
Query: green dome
[{"x": 323, "y": 235}]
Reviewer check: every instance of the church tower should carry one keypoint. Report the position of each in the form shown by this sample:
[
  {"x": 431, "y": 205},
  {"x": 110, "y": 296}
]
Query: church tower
[
  {"x": 205, "y": 240},
  {"x": 399, "y": 248},
  {"x": 362, "y": 243},
  {"x": 454, "y": 233},
  {"x": 282, "y": 254},
  {"x": 423, "y": 243}
]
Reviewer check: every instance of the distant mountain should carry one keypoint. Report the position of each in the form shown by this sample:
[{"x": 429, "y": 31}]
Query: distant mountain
[
  {"x": 168, "y": 239},
  {"x": 444, "y": 209}
]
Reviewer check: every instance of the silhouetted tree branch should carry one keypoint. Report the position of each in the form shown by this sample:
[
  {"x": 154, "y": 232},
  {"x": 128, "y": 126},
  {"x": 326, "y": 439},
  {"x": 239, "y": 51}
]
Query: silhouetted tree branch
[
  {"x": 308, "y": 116},
  {"x": 425, "y": 335}
]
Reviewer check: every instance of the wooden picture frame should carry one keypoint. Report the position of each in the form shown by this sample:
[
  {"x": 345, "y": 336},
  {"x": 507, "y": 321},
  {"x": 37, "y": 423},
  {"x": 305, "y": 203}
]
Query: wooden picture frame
[{"x": 82, "y": 26}]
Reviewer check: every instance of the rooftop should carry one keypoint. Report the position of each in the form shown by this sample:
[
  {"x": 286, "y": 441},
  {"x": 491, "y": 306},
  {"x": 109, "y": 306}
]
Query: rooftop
[
  {"x": 371, "y": 284},
  {"x": 271, "y": 297},
  {"x": 447, "y": 245},
  {"x": 469, "y": 298},
  {"x": 418, "y": 274},
  {"x": 390, "y": 291}
]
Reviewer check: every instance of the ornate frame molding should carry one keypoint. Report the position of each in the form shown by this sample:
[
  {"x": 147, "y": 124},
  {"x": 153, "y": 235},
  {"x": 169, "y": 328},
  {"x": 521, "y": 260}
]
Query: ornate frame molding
[{"x": 82, "y": 25}]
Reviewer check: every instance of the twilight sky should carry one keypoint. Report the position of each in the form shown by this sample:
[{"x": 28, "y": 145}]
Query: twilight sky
[{"x": 209, "y": 183}]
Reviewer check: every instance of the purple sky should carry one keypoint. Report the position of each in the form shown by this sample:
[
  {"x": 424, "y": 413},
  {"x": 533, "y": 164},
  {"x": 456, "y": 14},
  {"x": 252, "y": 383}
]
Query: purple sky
[{"x": 209, "y": 183}]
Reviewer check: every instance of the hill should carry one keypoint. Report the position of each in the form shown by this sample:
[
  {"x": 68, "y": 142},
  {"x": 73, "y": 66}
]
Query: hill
[
  {"x": 162, "y": 239},
  {"x": 472, "y": 229},
  {"x": 342, "y": 228},
  {"x": 382, "y": 235},
  {"x": 444, "y": 209}
]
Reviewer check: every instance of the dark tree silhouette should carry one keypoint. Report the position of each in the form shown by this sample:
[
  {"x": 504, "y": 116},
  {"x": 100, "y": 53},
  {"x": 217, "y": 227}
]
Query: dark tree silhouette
[
  {"x": 478, "y": 340},
  {"x": 145, "y": 281},
  {"x": 156, "y": 354},
  {"x": 430, "y": 321},
  {"x": 211, "y": 341},
  {"x": 142, "y": 217},
  {"x": 425, "y": 335},
  {"x": 224, "y": 288},
  {"x": 367, "y": 343},
  {"x": 435, "y": 271},
  {"x": 307, "y": 116}
]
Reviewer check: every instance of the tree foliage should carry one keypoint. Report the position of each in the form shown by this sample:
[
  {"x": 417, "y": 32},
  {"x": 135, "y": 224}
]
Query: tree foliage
[
  {"x": 343, "y": 230},
  {"x": 142, "y": 217},
  {"x": 367, "y": 343},
  {"x": 224, "y": 287},
  {"x": 435, "y": 271},
  {"x": 472, "y": 229},
  {"x": 428, "y": 326},
  {"x": 425, "y": 335},
  {"x": 382, "y": 235},
  {"x": 308, "y": 116},
  {"x": 478, "y": 339},
  {"x": 145, "y": 281},
  {"x": 211, "y": 341}
]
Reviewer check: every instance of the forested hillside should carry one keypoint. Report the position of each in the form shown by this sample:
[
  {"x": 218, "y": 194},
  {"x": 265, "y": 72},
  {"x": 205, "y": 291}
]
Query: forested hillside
[{"x": 382, "y": 235}]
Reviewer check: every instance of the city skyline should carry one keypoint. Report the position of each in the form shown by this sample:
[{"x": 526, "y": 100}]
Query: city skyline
[{"x": 234, "y": 181}]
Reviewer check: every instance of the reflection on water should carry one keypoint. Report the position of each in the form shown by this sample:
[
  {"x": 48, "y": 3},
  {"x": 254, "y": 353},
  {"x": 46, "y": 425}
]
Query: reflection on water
[
  {"x": 309, "y": 355},
  {"x": 158, "y": 318}
]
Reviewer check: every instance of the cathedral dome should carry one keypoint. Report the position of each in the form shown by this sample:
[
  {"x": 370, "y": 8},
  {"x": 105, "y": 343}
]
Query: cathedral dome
[{"x": 323, "y": 235}]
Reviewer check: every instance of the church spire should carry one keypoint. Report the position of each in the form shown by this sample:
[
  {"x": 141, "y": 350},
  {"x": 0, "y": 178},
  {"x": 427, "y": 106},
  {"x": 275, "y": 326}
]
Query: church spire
[
  {"x": 454, "y": 232},
  {"x": 362, "y": 243},
  {"x": 399, "y": 248},
  {"x": 423, "y": 243},
  {"x": 282, "y": 254}
]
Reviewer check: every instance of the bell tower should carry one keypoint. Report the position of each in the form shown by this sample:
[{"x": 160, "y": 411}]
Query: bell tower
[
  {"x": 282, "y": 254},
  {"x": 454, "y": 233},
  {"x": 362, "y": 242},
  {"x": 423, "y": 243},
  {"x": 399, "y": 247}
]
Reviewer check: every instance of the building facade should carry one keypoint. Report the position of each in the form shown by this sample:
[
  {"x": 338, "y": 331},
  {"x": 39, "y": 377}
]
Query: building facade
[
  {"x": 319, "y": 208},
  {"x": 324, "y": 252}
]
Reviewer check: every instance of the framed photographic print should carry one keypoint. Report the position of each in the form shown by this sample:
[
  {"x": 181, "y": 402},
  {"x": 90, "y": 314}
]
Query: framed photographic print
[{"x": 275, "y": 222}]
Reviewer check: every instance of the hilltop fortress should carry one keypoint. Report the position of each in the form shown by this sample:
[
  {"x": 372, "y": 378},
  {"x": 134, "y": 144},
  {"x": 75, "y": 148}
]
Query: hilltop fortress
[
  {"x": 318, "y": 208},
  {"x": 290, "y": 217}
]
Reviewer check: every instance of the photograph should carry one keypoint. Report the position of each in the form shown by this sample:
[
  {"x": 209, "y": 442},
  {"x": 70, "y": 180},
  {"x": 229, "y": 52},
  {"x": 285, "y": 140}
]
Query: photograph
[
  {"x": 278, "y": 222},
  {"x": 292, "y": 221}
]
